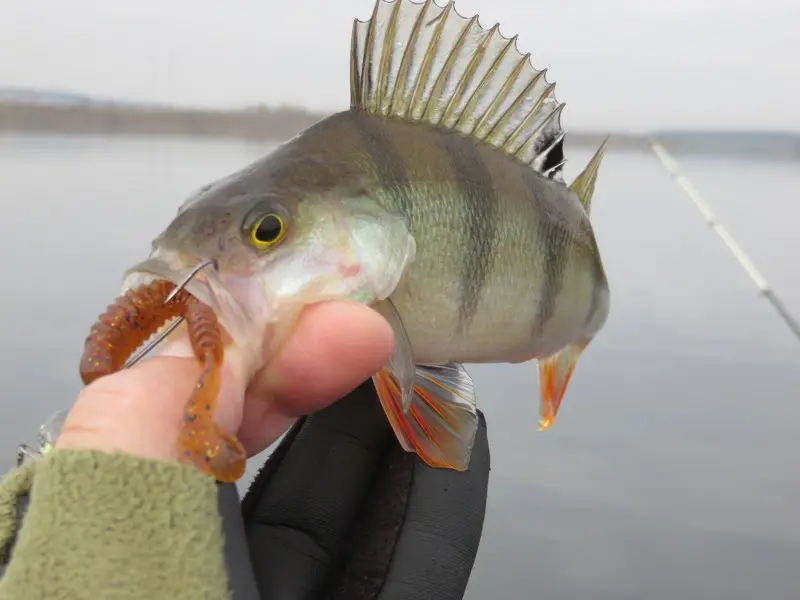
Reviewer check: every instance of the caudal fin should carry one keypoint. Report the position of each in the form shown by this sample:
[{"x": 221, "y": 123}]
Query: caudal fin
[{"x": 441, "y": 421}]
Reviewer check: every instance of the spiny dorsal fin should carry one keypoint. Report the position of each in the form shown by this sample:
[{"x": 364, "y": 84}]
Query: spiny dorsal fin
[
  {"x": 426, "y": 63},
  {"x": 583, "y": 185}
]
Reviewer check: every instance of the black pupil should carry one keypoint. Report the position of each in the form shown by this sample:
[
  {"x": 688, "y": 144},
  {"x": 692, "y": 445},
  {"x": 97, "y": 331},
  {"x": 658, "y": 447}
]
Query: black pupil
[{"x": 269, "y": 229}]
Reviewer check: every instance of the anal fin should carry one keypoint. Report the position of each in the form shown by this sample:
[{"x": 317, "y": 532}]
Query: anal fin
[
  {"x": 554, "y": 375},
  {"x": 441, "y": 421}
]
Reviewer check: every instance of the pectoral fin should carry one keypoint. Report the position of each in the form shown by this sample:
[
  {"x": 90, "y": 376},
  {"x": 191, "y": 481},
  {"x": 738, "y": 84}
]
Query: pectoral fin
[
  {"x": 554, "y": 375},
  {"x": 441, "y": 421},
  {"x": 401, "y": 365}
]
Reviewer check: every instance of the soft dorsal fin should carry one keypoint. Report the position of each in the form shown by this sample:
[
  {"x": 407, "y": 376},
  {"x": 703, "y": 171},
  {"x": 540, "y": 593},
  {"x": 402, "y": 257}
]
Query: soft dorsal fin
[
  {"x": 426, "y": 63},
  {"x": 583, "y": 186}
]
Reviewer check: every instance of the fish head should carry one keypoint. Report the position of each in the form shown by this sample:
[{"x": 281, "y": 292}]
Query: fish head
[{"x": 275, "y": 252}]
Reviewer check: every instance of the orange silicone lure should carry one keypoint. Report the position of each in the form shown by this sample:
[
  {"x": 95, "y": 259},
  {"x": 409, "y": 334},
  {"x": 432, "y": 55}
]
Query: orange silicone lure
[{"x": 134, "y": 318}]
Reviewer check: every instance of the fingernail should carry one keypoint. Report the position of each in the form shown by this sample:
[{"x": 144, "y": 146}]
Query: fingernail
[
  {"x": 235, "y": 363},
  {"x": 177, "y": 344}
]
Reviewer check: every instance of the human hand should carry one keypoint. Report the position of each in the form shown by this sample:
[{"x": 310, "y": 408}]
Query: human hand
[
  {"x": 339, "y": 509},
  {"x": 335, "y": 346}
]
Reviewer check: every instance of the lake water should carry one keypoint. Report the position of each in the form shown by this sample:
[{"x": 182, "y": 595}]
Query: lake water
[{"x": 672, "y": 471}]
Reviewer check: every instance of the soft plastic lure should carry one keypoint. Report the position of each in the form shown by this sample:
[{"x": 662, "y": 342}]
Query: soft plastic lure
[{"x": 130, "y": 321}]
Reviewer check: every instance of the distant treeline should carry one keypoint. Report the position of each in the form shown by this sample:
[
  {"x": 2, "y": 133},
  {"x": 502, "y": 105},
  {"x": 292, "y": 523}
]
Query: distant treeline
[
  {"x": 263, "y": 123},
  {"x": 257, "y": 123}
]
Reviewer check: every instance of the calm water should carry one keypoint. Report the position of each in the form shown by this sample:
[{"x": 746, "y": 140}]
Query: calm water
[{"x": 672, "y": 470}]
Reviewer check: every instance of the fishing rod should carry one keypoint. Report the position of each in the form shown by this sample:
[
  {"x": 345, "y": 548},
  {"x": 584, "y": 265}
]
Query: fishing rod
[{"x": 763, "y": 285}]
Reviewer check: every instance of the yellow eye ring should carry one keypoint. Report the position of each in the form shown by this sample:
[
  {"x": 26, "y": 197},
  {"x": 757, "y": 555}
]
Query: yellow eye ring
[{"x": 267, "y": 231}]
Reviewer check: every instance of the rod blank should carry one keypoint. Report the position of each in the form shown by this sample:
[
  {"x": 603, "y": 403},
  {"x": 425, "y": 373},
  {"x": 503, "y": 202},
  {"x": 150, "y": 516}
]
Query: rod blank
[{"x": 761, "y": 283}]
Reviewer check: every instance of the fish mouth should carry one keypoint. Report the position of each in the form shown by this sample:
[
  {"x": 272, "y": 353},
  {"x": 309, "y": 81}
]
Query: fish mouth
[{"x": 206, "y": 285}]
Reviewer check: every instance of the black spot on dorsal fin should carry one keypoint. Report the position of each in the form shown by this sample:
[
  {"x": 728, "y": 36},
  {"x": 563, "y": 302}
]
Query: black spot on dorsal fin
[{"x": 551, "y": 150}]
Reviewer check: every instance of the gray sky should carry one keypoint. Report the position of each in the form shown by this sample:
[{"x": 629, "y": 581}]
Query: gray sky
[{"x": 622, "y": 64}]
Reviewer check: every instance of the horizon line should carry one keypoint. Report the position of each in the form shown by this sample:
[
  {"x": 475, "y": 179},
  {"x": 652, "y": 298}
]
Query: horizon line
[{"x": 6, "y": 90}]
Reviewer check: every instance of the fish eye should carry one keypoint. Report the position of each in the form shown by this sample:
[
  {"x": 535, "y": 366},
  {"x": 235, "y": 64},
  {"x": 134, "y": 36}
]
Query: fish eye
[{"x": 268, "y": 231}]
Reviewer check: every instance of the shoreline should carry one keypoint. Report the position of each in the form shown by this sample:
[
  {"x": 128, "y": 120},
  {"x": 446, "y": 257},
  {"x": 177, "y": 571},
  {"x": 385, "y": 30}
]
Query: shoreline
[{"x": 278, "y": 124}]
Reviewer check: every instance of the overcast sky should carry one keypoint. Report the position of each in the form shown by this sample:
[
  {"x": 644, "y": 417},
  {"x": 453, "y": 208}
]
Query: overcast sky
[{"x": 623, "y": 64}]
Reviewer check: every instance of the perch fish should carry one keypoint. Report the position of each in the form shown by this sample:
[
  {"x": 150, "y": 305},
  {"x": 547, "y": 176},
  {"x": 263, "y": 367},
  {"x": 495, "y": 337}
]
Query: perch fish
[{"x": 437, "y": 198}]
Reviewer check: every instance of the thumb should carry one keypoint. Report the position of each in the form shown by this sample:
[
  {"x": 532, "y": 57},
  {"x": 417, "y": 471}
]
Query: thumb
[{"x": 140, "y": 410}]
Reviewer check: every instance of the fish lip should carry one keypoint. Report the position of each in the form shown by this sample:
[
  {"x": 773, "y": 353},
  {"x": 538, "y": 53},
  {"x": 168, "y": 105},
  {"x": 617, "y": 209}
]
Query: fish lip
[
  {"x": 206, "y": 286},
  {"x": 157, "y": 268}
]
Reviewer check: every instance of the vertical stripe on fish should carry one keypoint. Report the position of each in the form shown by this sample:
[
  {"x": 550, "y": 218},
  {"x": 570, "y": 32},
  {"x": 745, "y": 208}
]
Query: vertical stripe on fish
[
  {"x": 474, "y": 181},
  {"x": 556, "y": 244},
  {"x": 391, "y": 171}
]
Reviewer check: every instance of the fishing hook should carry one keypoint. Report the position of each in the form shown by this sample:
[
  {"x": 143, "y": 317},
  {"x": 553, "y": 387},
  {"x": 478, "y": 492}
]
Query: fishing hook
[{"x": 161, "y": 336}]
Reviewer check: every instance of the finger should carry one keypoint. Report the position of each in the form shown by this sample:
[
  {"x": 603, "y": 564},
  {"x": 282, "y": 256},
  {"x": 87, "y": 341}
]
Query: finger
[
  {"x": 233, "y": 378},
  {"x": 300, "y": 508},
  {"x": 420, "y": 530},
  {"x": 138, "y": 410},
  {"x": 334, "y": 347}
]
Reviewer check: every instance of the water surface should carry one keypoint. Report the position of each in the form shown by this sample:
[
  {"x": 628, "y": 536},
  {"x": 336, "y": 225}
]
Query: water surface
[{"x": 672, "y": 469}]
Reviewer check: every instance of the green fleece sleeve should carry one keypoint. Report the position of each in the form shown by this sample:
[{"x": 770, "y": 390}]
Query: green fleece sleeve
[{"x": 112, "y": 526}]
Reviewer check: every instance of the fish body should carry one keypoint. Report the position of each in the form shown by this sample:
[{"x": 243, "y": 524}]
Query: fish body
[
  {"x": 506, "y": 264},
  {"x": 438, "y": 199}
]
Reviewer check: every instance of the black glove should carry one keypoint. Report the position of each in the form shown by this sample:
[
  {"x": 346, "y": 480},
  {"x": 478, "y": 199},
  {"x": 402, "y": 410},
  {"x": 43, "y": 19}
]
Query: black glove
[{"x": 340, "y": 511}]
